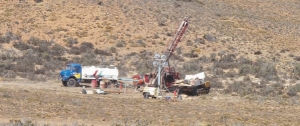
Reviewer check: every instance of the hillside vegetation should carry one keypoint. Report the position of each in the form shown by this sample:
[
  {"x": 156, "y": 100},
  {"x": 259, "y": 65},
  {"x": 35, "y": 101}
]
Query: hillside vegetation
[{"x": 243, "y": 46}]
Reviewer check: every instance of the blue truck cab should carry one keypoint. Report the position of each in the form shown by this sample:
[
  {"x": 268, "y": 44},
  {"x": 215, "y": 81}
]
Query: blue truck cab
[{"x": 71, "y": 75}]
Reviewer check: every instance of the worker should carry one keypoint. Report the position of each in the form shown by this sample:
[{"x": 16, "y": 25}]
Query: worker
[{"x": 96, "y": 80}]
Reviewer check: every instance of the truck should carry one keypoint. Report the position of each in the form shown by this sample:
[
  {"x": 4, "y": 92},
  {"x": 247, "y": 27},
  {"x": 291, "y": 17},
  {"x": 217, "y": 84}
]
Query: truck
[{"x": 75, "y": 73}]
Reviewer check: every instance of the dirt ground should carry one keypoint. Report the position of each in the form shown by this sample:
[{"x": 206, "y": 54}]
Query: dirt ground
[{"x": 51, "y": 103}]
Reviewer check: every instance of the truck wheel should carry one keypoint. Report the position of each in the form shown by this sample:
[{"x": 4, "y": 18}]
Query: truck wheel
[
  {"x": 146, "y": 95},
  {"x": 65, "y": 83},
  {"x": 72, "y": 83},
  {"x": 207, "y": 91}
]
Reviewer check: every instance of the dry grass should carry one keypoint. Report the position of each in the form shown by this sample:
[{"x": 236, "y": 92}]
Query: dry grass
[{"x": 45, "y": 103}]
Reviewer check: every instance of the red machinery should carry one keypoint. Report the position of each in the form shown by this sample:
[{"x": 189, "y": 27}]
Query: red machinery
[{"x": 168, "y": 74}]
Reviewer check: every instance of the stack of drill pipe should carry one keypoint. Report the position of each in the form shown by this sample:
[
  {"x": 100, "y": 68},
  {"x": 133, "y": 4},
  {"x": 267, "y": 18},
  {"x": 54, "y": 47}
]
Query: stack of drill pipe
[{"x": 181, "y": 83}]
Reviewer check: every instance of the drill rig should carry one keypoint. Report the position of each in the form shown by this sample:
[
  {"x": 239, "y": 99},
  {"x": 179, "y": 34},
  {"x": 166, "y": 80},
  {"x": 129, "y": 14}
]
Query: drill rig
[{"x": 168, "y": 74}]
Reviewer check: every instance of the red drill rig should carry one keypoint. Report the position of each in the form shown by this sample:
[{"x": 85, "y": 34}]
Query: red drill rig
[{"x": 168, "y": 74}]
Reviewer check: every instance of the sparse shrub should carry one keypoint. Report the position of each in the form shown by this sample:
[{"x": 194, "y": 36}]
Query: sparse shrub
[
  {"x": 268, "y": 90},
  {"x": 191, "y": 54},
  {"x": 291, "y": 55},
  {"x": 132, "y": 54},
  {"x": 284, "y": 50},
  {"x": 38, "y": 1},
  {"x": 40, "y": 71},
  {"x": 215, "y": 83},
  {"x": 243, "y": 60},
  {"x": 84, "y": 46},
  {"x": 42, "y": 48},
  {"x": 27, "y": 62},
  {"x": 156, "y": 36},
  {"x": 240, "y": 87},
  {"x": 189, "y": 43},
  {"x": 257, "y": 53},
  {"x": 169, "y": 34},
  {"x": 100, "y": 3},
  {"x": 247, "y": 78},
  {"x": 120, "y": 43},
  {"x": 162, "y": 22},
  {"x": 230, "y": 73},
  {"x": 141, "y": 42},
  {"x": 9, "y": 74},
  {"x": 21, "y": 46},
  {"x": 89, "y": 58},
  {"x": 296, "y": 71},
  {"x": 227, "y": 62},
  {"x": 293, "y": 90},
  {"x": 179, "y": 50},
  {"x": 60, "y": 58},
  {"x": 199, "y": 40},
  {"x": 210, "y": 38},
  {"x": 144, "y": 66},
  {"x": 7, "y": 65},
  {"x": 297, "y": 58},
  {"x": 213, "y": 56},
  {"x": 71, "y": 41},
  {"x": 57, "y": 50},
  {"x": 245, "y": 69},
  {"x": 204, "y": 59},
  {"x": 102, "y": 52},
  {"x": 9, "y": 36},
  {"x": 21, "y": 123},
  {"x": 34, "y": 41},
  {"x": 191, "y": 66},
  {"x": 113, "y": 49},
  {"x": 185, "y": 0},
  {"x": 75, "y": 50},
  {"x": 177, "y": 57},
  {"x": 53, "y": 65},
  {"x": 176, "y": 5},
  {"x": 267, "y": 71}
]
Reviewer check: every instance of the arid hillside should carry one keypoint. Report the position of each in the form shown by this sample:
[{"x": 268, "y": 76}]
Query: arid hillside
[
  {"x": 230, "y": 40},
  {"x": 248, "y": 49}
]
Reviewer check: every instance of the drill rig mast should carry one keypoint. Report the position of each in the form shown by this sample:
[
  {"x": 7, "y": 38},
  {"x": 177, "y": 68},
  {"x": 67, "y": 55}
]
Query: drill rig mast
[{"x": 168, "y": 75}]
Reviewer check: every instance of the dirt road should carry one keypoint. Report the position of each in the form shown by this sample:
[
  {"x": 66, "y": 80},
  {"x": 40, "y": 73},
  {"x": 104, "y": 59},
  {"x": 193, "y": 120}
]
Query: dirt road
[{"x": 52, "y": 104}]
